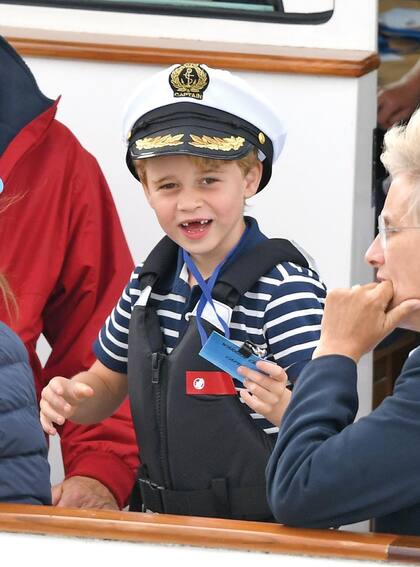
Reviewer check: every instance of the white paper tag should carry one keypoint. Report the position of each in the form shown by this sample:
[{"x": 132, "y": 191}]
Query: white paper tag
[{"x": 224, "y": 312}]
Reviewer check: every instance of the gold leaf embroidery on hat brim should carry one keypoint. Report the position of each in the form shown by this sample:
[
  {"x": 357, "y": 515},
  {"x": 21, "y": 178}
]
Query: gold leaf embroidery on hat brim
[
  {"x": 214, "y": 143},
  {"x": 159, "y": 142}
]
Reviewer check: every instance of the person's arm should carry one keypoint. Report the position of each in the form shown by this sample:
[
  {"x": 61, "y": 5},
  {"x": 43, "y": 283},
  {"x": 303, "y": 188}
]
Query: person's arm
[
  {"x": 397, "y": 101},
  {"x": 326, "y": 471},
  {"x": 112, "y": 388},
  {"x": 96, "y": 265},
  {"x": 88, "y": 397},
  {"x": 82, "y": 267}
]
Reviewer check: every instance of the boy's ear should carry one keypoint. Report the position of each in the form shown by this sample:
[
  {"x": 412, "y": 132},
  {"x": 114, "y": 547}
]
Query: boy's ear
[
  {"x": 252, "y": 179},
  {"x": 146, "y": 192},
  {"x": 143, "y": 182}
]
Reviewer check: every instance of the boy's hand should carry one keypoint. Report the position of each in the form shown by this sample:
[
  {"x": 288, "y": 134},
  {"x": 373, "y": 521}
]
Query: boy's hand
[
  {"x": 59, "y": 400},
  {"x": 266, "y": 391}
]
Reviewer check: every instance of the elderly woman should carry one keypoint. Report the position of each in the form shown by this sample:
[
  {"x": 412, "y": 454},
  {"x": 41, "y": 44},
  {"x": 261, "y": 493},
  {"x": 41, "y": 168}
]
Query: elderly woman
[
  {"x": 24, "y": 469},
  {"x": 326, "y": 470}
]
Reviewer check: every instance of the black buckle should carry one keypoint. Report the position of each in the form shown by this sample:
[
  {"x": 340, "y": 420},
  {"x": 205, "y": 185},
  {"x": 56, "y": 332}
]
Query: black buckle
[
  {"x": 249, "y": 348},
  {"x": 151, "y": 495}
]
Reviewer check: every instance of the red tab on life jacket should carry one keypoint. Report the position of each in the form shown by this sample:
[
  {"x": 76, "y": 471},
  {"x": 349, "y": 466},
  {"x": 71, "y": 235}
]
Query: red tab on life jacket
[{"x": 216, "y": 383}]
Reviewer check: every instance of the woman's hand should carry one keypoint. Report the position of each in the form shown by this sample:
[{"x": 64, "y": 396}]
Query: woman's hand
[
  {"x": 355, "y": 320},
  {"x": 266, "y": 391}
]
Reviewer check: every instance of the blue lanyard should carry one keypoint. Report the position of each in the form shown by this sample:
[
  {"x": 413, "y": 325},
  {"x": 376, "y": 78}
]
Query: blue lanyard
[{"x": 207, "y": 288}]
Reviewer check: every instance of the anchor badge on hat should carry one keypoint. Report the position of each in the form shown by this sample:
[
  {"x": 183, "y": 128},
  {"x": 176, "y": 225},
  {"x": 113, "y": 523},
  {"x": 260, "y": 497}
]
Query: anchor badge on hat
[{"x": 189, "y": 79}]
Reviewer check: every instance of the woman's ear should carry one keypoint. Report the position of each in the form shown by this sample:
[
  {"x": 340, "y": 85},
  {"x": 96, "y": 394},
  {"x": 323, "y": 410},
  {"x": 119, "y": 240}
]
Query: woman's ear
[{"x": 252, "y": 180}]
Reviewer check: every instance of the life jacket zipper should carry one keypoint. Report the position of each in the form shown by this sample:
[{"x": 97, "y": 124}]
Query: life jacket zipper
[
  {"x": 160, "y": 408},
  {"x": 156, "y": 361}
]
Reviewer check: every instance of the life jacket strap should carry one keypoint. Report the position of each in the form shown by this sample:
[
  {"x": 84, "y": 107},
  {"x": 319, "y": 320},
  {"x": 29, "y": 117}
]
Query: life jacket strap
[
  {"x": 238, "y": 278},
  {"x": 216, "y": 501}
]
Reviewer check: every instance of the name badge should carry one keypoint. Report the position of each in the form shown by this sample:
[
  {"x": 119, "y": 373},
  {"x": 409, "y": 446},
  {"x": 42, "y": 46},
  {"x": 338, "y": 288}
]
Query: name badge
[
  {"x": 209, "y": 383},
  {"x": 227, "y": 356}
]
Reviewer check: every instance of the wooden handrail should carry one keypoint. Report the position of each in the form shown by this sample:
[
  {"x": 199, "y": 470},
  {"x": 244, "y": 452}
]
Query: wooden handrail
[
  {"x": 206, "y": 532},
  {"x": 265, "y": 58}
]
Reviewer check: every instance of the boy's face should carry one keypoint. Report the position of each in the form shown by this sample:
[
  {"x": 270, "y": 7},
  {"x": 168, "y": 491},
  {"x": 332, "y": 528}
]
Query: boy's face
[{"x": 200, "y": 208}]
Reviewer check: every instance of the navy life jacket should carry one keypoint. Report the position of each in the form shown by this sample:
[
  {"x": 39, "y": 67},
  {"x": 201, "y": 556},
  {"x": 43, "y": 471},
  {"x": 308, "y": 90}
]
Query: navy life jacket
[{"x": 202, "y": 455}]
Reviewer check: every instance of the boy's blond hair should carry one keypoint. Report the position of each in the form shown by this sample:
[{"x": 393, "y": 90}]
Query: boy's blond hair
[{"x": 245, "y": 164}]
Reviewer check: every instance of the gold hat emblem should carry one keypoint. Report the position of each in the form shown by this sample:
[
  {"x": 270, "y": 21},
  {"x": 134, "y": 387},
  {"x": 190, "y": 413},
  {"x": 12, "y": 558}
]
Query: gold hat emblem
[
  {"x": 218, "y": 144},
  {"x": 159, "y": 142},
  {"x": 189, "y": 80}
]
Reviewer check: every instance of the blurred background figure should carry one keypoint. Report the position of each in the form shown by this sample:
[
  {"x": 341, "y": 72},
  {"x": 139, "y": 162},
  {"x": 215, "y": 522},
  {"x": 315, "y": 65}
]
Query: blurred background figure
[{"x": 398, "y": 100}]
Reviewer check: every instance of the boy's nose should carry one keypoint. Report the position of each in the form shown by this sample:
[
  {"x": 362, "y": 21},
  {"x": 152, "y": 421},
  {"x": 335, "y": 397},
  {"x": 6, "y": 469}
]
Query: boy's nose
[
  {"x": 189, "y": 200},
  {"x": 375, "y": 254}
]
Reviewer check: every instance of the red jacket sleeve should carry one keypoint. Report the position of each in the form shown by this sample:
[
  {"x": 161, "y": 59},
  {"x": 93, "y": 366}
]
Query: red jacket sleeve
[
  {"x": 68, "y": 262},
  {"x": 95, "y": 269}
]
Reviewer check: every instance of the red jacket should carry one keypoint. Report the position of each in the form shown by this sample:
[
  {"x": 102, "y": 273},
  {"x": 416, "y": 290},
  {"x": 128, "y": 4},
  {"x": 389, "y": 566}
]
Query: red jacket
[{"x": 64, "y": 254}]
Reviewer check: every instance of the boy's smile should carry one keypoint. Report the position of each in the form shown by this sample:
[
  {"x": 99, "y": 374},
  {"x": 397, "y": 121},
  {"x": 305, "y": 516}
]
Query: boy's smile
[
  {"x": 200, "y": 203},
  {"x": 196, "y": 228}
]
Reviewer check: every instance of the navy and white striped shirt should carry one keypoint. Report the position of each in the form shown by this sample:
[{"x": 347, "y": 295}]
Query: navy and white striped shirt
[{"x": 280, "y": 313}]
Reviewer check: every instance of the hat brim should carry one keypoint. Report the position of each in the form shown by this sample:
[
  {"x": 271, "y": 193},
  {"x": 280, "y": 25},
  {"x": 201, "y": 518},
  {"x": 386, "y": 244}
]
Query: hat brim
[
  {"x": 184, "y": 129},
  {"x": 189, "y": 140}
]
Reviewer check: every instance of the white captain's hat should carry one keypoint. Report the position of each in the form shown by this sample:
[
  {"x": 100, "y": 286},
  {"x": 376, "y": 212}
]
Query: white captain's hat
[{"x": 192, "y": 109}]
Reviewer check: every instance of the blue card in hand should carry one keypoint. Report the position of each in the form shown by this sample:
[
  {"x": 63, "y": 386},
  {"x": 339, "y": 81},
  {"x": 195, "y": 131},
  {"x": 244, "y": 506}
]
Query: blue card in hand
[{"x": 227, "y": 356}]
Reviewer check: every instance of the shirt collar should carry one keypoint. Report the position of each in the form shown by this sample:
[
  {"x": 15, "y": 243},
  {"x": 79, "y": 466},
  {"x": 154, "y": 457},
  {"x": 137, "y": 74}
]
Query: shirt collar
[{"x": 253, "y": 236}]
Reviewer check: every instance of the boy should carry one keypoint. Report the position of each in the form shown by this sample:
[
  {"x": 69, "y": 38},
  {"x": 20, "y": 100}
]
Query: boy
[{"x": 201, "y": 141}]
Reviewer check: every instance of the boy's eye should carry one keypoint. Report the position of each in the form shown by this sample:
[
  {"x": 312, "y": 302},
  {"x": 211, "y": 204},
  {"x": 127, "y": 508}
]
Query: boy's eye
[
  {"x": 167, "y": 186},
  {"x": 209, "y": 180}
]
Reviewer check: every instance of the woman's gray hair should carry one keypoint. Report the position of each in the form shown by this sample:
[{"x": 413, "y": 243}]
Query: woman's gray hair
[{"x": 402, "y": 155}]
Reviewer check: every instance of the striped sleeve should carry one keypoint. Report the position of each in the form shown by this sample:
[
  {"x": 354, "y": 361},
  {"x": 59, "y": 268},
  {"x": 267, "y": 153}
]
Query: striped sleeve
[
  {"x": 292, "y": 322},
  {"x": 111, "y": 346}
]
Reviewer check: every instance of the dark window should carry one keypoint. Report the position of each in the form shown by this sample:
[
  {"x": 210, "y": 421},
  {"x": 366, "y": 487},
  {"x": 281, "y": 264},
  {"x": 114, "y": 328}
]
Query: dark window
[{"x": 282, "y": 11}]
